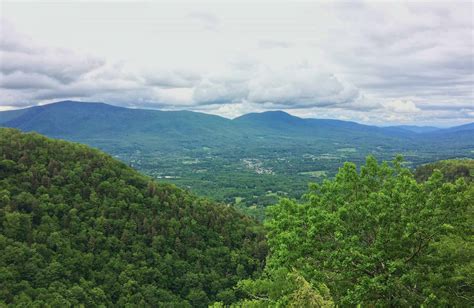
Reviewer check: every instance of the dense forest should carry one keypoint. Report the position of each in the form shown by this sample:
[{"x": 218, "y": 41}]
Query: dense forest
[
  {"x": 78, "y": 227},
  {"x": 451, "y": 169}
]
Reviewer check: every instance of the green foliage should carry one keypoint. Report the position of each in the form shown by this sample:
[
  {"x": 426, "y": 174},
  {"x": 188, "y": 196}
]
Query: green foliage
[
  {"x": 377, "y": 238},
  {"x": 451, "y": 169},
  {"x": 284, "y": 288},
  {"x": 80, "y": 228}
]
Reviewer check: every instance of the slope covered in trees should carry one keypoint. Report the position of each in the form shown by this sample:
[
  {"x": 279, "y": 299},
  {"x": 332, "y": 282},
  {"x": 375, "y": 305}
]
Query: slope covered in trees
[
  {"x": 78, "y": 227},
  {"x": 376, "y": 237},
  {"x": 451, "y": 169}
]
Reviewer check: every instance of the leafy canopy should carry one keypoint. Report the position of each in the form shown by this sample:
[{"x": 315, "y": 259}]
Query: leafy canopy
[
  {"x": 80, "y": 228},
  {"x": 374, "y": 237}
]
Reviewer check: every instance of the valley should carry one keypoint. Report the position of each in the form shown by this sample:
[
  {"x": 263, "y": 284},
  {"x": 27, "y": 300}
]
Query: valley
[{"x": 250, "y": 161}]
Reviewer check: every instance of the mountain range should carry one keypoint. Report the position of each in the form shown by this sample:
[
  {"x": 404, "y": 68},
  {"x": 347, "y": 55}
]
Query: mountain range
[
  {"x": 77, "y": 120},
  {"x": 119, "y": 130},
  {"x": 250, "y": 159}
]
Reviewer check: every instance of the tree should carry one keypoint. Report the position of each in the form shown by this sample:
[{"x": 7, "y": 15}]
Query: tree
[
  {"x": 377, "y": 237},
  {"x": 283, "y": 288}
]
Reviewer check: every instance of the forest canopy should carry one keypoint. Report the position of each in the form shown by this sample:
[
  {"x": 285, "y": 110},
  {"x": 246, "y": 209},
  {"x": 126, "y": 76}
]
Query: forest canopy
[
  {"x": 451, "y": 169},
  {"x": 80, "y": 228},
  {"x": 376, "y": 237}
]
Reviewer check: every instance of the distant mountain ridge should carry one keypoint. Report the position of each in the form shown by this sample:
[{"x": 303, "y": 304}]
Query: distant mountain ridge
[
  {"x": 416, "y": 128},
  {"x": 91, "y": 122},
  {"x": 56, "y": 118},
  {"x": 53, "y": 119}
]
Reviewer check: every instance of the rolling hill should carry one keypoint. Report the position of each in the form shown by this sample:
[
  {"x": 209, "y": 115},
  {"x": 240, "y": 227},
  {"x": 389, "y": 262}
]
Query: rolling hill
[
  {"x": 78, "y": 228},
  {"x": 91, "y": 121}
]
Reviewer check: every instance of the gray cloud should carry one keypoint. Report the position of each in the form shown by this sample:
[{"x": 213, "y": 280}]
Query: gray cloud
[
  {"x": 206, "y": 20},
  {"x": 300, "y": 86},
  {"x": 26, "y": 65},
  {"x": 406, "y": 50},
  {"x": 220, "y": 92},
  {"x": 374, "y": 62},
  {"x": 20, "y": 80},
  {"x": 171, "y": 79},
  {"x": 64, "y": 66},
  {"x": 267, "y": 43}
]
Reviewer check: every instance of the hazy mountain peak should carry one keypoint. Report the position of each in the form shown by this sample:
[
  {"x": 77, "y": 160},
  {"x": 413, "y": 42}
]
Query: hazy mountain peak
[
  {"x": 276, "y": 115},
  {"x": 79, "y": 104},
  {"x": 86, "y": 119},
  {"x": 416, "y": 128}
]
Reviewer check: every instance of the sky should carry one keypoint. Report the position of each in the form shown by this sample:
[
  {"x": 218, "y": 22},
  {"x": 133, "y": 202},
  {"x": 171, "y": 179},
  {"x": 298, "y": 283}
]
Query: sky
[{"x": 375, "y": 62}]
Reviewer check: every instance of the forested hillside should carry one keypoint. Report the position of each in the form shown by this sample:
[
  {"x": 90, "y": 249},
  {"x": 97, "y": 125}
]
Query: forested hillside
[
  {"x": 375, "y": 238},
  {"x": 80, "y": 228},
  {"x": 451, "y": 170}
]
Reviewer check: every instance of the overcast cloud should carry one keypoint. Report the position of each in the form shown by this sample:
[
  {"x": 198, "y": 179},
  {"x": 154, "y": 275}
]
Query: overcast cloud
[{"x": 372, "y": 62}]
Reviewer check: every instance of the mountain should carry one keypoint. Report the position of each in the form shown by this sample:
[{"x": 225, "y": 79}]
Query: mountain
[
  {"x": 288, "y": 124},
  {"x": 457, "y": 136},
  {"x": 465, "y": 127},
  {"x": 329, "y": 130},
  {"x": 6, "y": 116},
  {"x": 415, "y": 128},
  {"x": 270, "y": 119},
  {"x": 78, "y": 228},
  {"x": 108, "y": 126},
  {"x": 79, "y": 121},
  {"x": 250, "y": 160}
]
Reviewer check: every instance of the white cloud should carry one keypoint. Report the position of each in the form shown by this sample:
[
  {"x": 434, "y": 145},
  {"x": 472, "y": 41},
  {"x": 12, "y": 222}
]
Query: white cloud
[
  {"x": 367, "y": 61},
  {"x": 402, "y": 106},
  {"x": 295, "y": 86},
  {"x": 300, "y": 86},
  {"x": 164, "y": 78}
]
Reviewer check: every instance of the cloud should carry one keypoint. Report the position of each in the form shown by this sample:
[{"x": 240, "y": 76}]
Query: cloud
[
  {"x": 20, "y": 80},
  {"x": 401, "y": 106},
  {"x": 367, "y": 61},
  {"x": 21, "y": 56},
  {"x": 205, "y": 20},
  {"x": 395, "y": 50},
  {"x": 62, "y": 65},
  {"x": 13, "y": 41},
  {"x": 297, "y": 86},
  {"x": 227, "y": 86},
  {"x": 268, "y": 43},
  {"x": 171, "y": 78}
]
